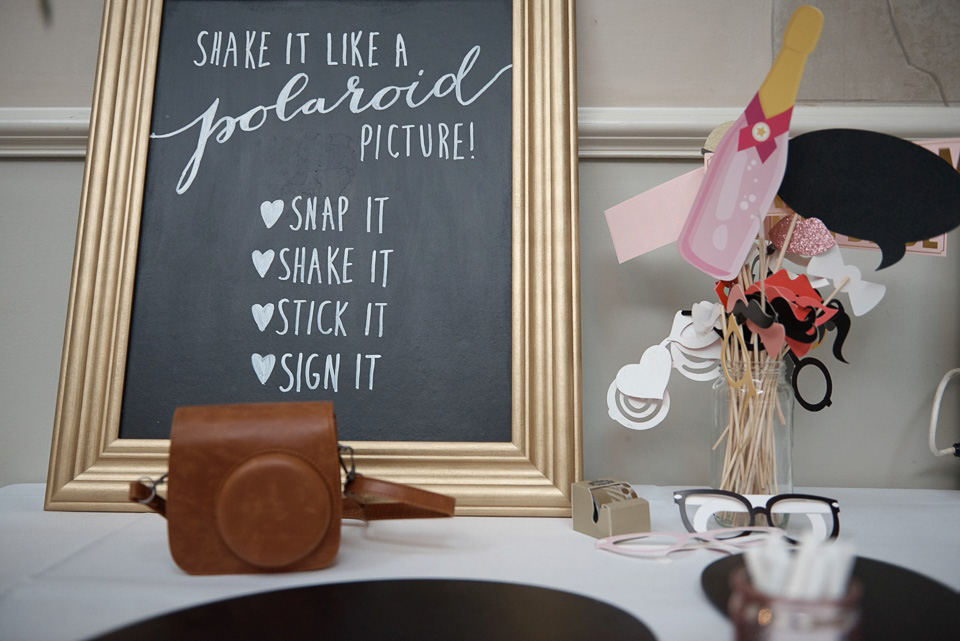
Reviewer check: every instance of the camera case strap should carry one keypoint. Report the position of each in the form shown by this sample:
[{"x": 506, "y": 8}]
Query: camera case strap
[{"x": 257, "y": 488}]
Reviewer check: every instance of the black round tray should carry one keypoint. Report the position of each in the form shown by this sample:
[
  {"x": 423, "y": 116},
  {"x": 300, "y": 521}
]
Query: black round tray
[
  {"x": 897, "y": 603},
  {"x": 421, "y": 609}
]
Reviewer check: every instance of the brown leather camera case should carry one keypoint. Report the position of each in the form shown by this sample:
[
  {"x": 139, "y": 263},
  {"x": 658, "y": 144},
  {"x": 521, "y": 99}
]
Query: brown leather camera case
[{"x": 254, "y": 488}]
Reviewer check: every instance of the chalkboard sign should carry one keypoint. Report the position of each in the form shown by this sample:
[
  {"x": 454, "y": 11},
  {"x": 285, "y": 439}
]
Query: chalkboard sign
[
  {"x": 327, "y": 214},
  {"x": 372, "y": 202}
]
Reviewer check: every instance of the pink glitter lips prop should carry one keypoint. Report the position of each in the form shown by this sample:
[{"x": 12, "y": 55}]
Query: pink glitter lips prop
[{"x": 810, "y": 237}]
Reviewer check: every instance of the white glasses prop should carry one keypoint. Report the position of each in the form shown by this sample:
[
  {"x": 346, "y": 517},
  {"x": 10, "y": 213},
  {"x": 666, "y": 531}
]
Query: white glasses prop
[
  {"x": 798, "y": 515},
  {"x": 659, "y": 545}
]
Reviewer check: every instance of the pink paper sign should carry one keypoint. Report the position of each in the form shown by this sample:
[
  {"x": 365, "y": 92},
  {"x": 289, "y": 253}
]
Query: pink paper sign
[{"x": 654, "y": 218}]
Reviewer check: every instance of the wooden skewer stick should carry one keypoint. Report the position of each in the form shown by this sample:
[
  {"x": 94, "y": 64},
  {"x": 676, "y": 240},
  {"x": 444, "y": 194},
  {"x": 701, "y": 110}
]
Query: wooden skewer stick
[
  {"x": 749, "y": 461},
  {"x": 762, "y": 263}
]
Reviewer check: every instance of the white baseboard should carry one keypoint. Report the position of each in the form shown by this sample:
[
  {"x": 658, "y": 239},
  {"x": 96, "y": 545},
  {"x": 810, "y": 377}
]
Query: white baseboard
[{"x": 604, "y": 132}]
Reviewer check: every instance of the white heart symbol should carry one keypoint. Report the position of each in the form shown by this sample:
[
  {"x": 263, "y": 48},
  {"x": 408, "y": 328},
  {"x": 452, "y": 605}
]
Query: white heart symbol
[
  {"x": 263, "y": 365},
  {"x": 262, "y": 314},
  {"x": 262, "y": 261},
  {"x": 270, "y": 212},
  {"x": 649, "y": 378}
]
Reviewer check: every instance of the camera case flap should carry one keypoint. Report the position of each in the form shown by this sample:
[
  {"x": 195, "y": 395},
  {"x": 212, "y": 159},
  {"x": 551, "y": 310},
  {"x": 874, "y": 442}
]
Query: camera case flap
[{"x": 254, "y": 488}]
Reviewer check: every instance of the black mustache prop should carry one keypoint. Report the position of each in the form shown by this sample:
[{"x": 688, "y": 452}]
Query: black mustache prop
[{"x": 800, "y": 330}]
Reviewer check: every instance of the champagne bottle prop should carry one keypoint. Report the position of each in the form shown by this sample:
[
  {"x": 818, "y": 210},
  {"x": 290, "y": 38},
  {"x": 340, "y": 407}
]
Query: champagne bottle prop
[{"x": 744, "y": 174}]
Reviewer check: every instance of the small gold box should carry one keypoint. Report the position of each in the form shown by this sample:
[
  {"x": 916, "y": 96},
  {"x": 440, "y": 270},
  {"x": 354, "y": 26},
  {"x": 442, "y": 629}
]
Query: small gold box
[{"x": 605, "y": 507}]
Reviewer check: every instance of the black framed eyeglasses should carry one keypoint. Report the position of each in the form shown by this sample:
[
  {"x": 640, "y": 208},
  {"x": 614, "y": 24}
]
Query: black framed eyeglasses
[{"x": 798, "y": 515}]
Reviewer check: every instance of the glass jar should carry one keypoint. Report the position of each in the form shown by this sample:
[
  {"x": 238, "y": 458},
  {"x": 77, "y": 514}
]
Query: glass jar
[
  {"x": 762, "y": 617},
  {"x": 753, "y": 429}
]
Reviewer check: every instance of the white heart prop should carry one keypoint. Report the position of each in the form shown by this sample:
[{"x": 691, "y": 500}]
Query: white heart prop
[
  {"x": 262, "y": 261},
  {"x": 636, "y": 413},
  {"x": 649, "y": 378},
  {"x": 270, "y": 212},
  {"x": 262, "y": 314},
  {"x": 263, "y": 366},
  {"x": 864, "y": 295}
]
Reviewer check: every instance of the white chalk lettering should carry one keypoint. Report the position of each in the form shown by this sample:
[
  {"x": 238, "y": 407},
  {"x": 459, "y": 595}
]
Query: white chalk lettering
[
  {"x": 454, "y": 141},
  {"x": 313, "y": 315},
  {"x": 221, "y": 129},
  {"x": 372, "y": 358},
  {"x": 380, "y": 201},
  {"x": 331, "y": 217},
  {"x": 303, "y": 46},
  {"x": 305, "y": 373},
  {"x": 263, "y": 48},
  {"x": 306, "y": 265},
  {"x": 401, "y": 49},
  {"x": 222, "y": 49},
  {"x": 380, "y": 307},
  {"x": 385, "y": 253},
  {"x": 351, "y": 52}
]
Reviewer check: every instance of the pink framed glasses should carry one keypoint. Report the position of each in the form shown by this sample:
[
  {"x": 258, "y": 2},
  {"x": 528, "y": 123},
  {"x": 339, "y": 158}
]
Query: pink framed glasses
[{"x": 660, "y": 545}]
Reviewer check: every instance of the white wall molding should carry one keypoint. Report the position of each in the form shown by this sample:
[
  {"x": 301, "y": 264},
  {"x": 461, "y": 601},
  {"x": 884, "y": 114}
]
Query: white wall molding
[
  {"x": 44, "y": 132},
  {"x": 605, "y": 132},
  {"x": 668, "y": 132}
]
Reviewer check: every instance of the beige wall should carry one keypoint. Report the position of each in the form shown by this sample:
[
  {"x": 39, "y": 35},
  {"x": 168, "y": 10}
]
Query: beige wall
[
  {"x": 45, "y": 70},
  {"x": 654, "y": 77}
]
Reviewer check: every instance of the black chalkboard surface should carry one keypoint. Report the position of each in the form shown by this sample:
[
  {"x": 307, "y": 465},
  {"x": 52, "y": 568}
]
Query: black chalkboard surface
[{"x": 327, "y": 215}]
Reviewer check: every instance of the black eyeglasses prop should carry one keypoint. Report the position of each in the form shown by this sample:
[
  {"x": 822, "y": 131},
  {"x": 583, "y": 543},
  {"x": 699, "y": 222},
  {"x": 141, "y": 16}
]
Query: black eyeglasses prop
[{"x": 804, "y": 516}]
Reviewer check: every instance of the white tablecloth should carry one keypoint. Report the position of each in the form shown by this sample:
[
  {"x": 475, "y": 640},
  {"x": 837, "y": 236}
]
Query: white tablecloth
[{"x": 70, "y": 575}]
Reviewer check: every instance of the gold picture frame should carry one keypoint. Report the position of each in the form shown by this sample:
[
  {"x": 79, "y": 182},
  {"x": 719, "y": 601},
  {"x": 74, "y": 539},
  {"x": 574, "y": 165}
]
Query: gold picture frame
[{"x": 91, "y": 467}]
